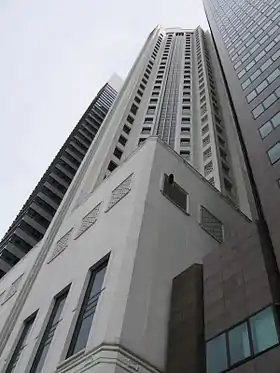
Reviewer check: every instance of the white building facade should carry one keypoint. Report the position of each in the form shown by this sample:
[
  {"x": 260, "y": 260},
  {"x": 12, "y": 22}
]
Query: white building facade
[{"x": 95, "y": 294}]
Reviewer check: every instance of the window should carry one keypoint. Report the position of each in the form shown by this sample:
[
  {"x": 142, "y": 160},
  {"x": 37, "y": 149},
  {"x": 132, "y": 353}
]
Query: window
[
  {"x": 137, "y": 99},
  {"x": 274, "y": 153},
  {"x": 276, "y": 120},
  {"x": 174, "y": 192},
  {"x": 118, "y": 153},
  {"x": 146, "y": 130},
  {"x": 251, "y": 96},
  {"x": 89, "y": 304},
  {"x": 269, "y": 100},
  {"x": 130, "y": 119},
  {"x": 264, "y": 334},
  {"x": 185, "y": 154},
  {"x": 111, "y": 166},
  {"x": 134, "y": 109},
  {"x": 211, "y": 224},
  {"x": 239, "y": 346},
  {"x": 258, "y": 111},
  {"x": 265, "y": 130},
  {"x": 185, "y": 142},
  {"x": 216, "y": 354},
  {"x": 22, "y": 342},
  {"x": 151, "y": 110},
  {"x": 54, "y": 320},
  {"x": 141, "y": 140},
  {"x": 148, "y": 120},
  {"x": 122, "y": 139},
  {"x": 185, "y": 129},
  {"x": 126, "y": 129}
]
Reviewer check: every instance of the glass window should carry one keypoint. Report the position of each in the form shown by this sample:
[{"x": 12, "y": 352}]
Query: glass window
[
  {"x": 259, "y": 56},
  {"x": 241, "y": 73},
  {"x": 273, "y": 75},
  {"x": 250, "y": 65},
  {"x": 86, "y": 315},
  {"x": 256, "y": 74},
  {"x": 262, "y": 86},
  {"x": 269, "y": 100},
  {"x": 257, "y": 111},
  {"x": 54, "y": 320},
  {"x": 265, "y": 130},
  {"x": 251, "y": 96},
  {"x": 266, "y": 64},
  {"x": 246, "y": 84},
  {"x": 274, "y": 153},
  {"x": 239, "y": 346},
  {"x": 216, "y": 354},
  {"x": 21, "y": 344},
  {"x": 276, "y": 120},
  {"x": 263, "y": 329},
  {"x": 276, "y": 55}
]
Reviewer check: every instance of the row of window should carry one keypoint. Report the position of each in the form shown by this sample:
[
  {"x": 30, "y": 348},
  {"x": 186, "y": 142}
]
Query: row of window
[
  {"x": 243, "y": 342},
  {"x": 118, "y": 152},
  {"x": 82, "y": 325},
  {"x": 261, "y": 69},
  {"x": 264, "y": 84},
  {"x": 254, "y": 38},
  {"x": 266, "y": 103},
  {"x": 270, "y": 126}
]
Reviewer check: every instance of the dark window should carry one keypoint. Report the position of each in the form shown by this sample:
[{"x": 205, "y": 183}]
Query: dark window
[
  {"x": 55, "y": 318},
  {"x": 126, "y": 129},
  {"x": 85, "y": 318},
  {"x": 130, "y": 119},
  {"x": 118, "y": 153},
  {"x": 146, "y": 130},
  {"x": 111, "y": 166},
  {"x": 175, "y": 193},
  {"x": 21, "y": 344},
  {"x": 122, "y": 139},
  {"x": 134, "y": 109},
  {"x": 137, "y": 99}
]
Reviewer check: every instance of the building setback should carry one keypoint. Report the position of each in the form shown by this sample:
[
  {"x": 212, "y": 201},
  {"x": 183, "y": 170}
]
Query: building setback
[
  {"x": 154, "y": 262},
  {"x": 37, "y": 213}
]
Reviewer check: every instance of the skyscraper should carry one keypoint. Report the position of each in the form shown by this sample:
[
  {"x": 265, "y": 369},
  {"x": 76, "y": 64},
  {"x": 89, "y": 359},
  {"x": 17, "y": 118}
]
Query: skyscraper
[
  {"x": 37, "y": 213},
  {"x": 247, "y": 38},
  {"x": 152, "y": 262}
]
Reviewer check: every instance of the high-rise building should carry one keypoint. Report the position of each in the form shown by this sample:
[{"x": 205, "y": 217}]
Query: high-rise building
[
  {"x": 152, "y": 262},
  {"x": 247, "y": 39},
  {"x": 37, "y": 213}
]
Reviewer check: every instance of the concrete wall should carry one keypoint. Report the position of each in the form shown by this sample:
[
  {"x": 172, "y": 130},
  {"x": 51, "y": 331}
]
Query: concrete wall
[{"x": 150, "y": 241}]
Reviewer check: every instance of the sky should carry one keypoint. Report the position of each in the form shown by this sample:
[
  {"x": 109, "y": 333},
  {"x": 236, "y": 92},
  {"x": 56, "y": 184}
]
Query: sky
[{"x": 55, "y": 56}]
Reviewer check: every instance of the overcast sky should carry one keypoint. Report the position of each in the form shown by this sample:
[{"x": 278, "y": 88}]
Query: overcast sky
[{"x": 55, "y": 55}]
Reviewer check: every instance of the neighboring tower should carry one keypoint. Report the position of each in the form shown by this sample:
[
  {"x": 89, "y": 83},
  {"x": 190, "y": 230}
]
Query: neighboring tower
[
  {"x": 247, "y": 38},
  {"x": 173, "y": 92},
  {"x": 37, "y": 213}
]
